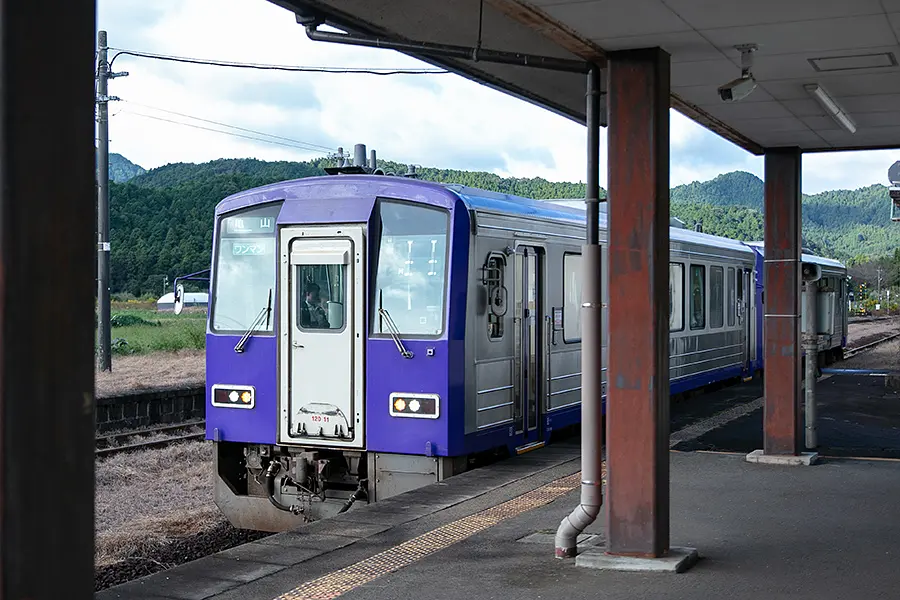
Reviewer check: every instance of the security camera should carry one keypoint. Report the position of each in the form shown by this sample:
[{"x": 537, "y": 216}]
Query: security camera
[{"x": 738, "y": 89}]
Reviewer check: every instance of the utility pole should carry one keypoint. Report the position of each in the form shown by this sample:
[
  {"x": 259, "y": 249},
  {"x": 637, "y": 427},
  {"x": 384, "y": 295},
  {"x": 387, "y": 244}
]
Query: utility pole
[{"x": 103, "y": 76}]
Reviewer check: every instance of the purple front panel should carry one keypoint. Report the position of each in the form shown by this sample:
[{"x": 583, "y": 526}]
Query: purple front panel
[
  {"x": 256, "y": 366},
  {"x": 386, "y": 372},
  {"x": 443, "y": 373}
]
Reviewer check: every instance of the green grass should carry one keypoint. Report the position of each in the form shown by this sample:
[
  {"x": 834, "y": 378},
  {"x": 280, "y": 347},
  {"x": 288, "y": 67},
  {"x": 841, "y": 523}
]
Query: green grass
[{"x": 141, "y": 331}]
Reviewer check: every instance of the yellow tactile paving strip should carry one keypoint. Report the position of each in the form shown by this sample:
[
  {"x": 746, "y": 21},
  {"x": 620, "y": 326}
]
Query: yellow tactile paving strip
[{"x": 340, "y": 582}]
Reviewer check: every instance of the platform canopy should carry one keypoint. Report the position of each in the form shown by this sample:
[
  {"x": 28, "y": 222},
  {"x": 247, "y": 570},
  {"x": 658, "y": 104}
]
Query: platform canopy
[{"x": 848, "y": 47}]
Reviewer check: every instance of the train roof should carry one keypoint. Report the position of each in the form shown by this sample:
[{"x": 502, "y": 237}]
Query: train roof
[
  {"x": 560, "y": 210},
  {"x": 806, "y": 257},
  {"x": 568, "y": 209}
]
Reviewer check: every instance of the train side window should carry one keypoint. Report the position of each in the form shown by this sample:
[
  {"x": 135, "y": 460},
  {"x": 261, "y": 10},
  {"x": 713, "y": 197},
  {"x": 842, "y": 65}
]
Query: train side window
[
  {"x": 676, "y": 296},
  {"x": 730, "y": 304},
  {"x": 716, "y": 297},
  {"x": 572, "y": 298},
  {"x": 698, "y": 297}
]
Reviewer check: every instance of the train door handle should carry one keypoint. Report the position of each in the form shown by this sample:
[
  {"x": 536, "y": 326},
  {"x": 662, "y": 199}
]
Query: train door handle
[{"x": 297, "y": 345}]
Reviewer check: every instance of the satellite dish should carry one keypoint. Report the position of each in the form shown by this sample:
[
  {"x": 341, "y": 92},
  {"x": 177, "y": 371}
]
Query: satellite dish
[
  {"x": 179, "y": 299},
  {"x": 894, "y": 173}
]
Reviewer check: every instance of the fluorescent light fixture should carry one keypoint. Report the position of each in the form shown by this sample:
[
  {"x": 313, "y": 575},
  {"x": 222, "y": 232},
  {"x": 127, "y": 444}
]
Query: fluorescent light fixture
[{"x": 831, "y": 106}]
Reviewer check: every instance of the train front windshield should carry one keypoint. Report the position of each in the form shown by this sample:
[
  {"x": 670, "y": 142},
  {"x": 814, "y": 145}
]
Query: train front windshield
[
  {"x": 245, "y": 270},
  {"x": 411, "y": 280}
]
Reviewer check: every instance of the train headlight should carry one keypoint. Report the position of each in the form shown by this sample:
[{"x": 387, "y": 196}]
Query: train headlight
[
  {"x": 419, "y": 406},
  {"x": 233, "y": 396}
]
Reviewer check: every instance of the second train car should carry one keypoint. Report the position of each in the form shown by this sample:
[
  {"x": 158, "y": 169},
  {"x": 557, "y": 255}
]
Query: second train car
[{"x": 368, "y": 334}]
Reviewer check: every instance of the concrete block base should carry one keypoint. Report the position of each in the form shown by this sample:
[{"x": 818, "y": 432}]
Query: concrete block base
[
  {"x": 805, "y": 458},
  {"x": 679, "y": 560}
]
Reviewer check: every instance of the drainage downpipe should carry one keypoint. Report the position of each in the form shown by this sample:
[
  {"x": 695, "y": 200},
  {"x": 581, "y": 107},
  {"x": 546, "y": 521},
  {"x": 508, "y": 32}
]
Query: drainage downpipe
[
  {"x": 811, "y": 343},
  {"x": 311, "y": 23},
  {"x": 591, "y": 339}
]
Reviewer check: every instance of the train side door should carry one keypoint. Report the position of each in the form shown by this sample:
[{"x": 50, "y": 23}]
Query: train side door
[
  {"x": 321, "y": 324},
  {"x": 744, "y": 295},
  {"x": 530, "y": 368}
]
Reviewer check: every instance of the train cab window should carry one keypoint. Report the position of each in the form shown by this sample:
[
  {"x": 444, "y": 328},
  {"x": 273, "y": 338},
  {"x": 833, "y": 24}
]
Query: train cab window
[
  {"x": 320, "y": 297},
  {"x": 246, "y": 269},
  {"x": 410, "y": 283},
  {"x": 676, "y": 296},
  {"x": 572, "y": 298},
  {"x": 716, "y": 297},
  {"x": 698, "y": 297},
  {"x": 731, "y": 302}
]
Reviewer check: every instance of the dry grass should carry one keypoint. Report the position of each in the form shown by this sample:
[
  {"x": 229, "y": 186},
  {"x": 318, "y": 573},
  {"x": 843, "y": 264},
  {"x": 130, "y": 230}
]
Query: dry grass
[
  {"x": 145, "y": 499},
  {"x": 152, "y": 371}
]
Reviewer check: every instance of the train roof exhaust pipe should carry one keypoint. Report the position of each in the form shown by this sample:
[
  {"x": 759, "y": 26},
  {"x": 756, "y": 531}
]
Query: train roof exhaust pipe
[{"x": 359, "y": 155}]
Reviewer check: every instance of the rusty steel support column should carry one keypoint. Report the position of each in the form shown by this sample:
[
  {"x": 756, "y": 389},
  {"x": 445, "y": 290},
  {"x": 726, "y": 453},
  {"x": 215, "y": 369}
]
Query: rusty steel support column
[
  {"x": 47, "y": 258},
  {"x": 781, "y": 332},
  {"x": 638, "y": 377}
]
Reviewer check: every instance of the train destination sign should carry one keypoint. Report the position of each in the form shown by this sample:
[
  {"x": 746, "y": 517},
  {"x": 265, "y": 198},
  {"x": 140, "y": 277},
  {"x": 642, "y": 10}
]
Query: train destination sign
[{"x": 242, "y": 225}]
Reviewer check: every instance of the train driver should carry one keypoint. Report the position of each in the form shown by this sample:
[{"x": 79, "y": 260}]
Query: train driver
[{"x": 312, "y": 313}]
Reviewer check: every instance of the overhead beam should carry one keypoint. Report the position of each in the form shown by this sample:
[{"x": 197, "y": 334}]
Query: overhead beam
[
  {"x": 551, "y": 29},
  {"x": 47, "y": 274},
  {"x": 568, "y": 38},
  {"x": 638, "y": 378}
]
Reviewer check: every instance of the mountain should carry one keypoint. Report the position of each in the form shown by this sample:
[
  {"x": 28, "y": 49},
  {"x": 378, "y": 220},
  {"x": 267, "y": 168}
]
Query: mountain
[
  {"x": 737, "y": 188},
  {"x": 121, "y": 169},
  {"x": 161, "y": 219},
  {"x": 850, "y": 225}
]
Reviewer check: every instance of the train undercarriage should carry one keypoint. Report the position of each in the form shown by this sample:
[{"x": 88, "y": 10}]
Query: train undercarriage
[{"x": 277, "y": 488}]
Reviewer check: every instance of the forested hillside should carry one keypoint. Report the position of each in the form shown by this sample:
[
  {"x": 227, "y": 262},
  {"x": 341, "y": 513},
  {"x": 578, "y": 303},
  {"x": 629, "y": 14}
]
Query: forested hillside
[
  {"x": 161, "y": 220},
  {"x": 121, "y": 169}
]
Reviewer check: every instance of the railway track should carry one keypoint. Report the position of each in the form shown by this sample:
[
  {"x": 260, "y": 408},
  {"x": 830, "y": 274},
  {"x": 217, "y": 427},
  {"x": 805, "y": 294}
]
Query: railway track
[
  {"x": 850, "y": 352},
  {"x": 107, "y": 445}
]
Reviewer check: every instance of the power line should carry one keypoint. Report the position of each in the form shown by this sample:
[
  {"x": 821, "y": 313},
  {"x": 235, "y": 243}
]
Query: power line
[
  {"x": 231, "y": 133},
  {"x": 309, "y": 145},
  {"x": 271, "y": 67}
]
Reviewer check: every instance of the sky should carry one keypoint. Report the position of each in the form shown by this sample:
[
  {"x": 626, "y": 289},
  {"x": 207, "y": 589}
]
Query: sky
[{"x": 439, "y": 120}]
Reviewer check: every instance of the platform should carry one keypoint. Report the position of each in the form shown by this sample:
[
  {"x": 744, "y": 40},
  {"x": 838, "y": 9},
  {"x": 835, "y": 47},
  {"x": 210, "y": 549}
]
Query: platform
[
  {"x": 826, "y": 531},
  {"x": 858, "y": 416}
]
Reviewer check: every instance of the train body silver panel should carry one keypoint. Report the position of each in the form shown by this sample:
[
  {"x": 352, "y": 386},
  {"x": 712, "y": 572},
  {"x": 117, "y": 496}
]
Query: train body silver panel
[{"x": 491, "y": 385}]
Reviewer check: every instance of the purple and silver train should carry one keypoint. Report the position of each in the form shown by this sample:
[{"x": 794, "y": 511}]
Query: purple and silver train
[{"x": 369, "y": 334}]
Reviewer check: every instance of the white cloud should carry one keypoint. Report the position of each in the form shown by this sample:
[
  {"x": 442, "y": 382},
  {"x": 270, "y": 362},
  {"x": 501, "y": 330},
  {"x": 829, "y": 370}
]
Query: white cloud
[{"x": 433, "y": 120}]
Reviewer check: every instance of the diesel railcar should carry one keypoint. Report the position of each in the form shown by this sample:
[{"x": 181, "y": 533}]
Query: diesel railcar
[{"x": 368, "y": 334}]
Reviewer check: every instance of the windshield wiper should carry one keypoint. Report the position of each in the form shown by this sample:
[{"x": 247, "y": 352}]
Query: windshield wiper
[
  {"x": 265, "y": 312},
  {"x": 395, "y": 333}
]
